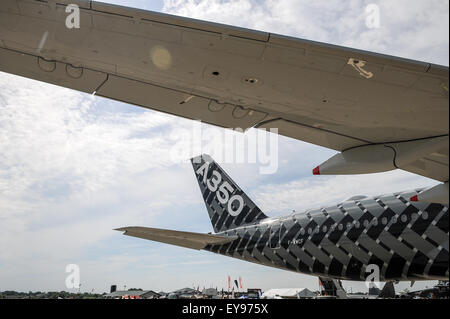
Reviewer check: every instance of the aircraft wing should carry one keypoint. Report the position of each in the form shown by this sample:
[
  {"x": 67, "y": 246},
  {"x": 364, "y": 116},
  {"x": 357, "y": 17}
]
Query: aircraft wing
[
  {"x": 179, "y": 238},
  {"x": 336, "y": 97}
]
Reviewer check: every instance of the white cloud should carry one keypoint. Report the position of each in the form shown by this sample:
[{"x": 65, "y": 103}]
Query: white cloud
[
  {"x": 411, "y": 29},
  {"x": 74, "y": 167},
  {"x": 70, "y": 172}
]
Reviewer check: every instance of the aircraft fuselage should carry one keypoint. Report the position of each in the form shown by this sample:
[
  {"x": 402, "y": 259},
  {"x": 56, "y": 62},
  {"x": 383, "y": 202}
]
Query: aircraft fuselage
[{"x": 401, "y": 239}]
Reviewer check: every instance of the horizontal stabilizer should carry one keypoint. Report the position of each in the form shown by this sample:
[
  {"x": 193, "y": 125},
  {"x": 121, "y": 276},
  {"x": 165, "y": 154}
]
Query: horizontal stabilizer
[{"x": 179, "y": 238}]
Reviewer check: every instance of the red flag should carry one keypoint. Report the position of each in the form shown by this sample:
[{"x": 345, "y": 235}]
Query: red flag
[
  {"x": 240, "y": 282},
  {"x": 229, "y": 282}
]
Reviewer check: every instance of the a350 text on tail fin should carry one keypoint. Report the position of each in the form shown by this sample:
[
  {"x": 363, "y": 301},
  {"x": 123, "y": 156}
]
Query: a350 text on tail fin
[
  {"x": 222, "y": 189},
  {"x": 228, "y": 206}
]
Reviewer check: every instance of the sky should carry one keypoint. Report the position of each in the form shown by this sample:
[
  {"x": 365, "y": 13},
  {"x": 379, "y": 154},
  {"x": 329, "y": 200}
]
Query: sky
[{"x": 73, "y": 166}]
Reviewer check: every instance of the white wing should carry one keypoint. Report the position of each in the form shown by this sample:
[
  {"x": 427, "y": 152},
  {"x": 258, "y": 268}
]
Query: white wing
[{"x": 331, "y": 96}]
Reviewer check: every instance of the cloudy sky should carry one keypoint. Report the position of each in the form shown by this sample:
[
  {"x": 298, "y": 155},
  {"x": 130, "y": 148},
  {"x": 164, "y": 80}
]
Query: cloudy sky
[{"x": 73, "y": 166}]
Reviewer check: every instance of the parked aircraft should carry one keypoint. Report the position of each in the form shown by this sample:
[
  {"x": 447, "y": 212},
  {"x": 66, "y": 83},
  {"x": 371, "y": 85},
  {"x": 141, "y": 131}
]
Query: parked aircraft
[{"x": 399, "y": 239}]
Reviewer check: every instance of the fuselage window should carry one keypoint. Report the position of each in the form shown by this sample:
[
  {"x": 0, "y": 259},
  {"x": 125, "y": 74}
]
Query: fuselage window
[
  {"x": 425, "y": 215},
  {"x": 302, "y": 231},
  {"x": 375, "y": 221},
  {"x": 357, "y": 224},
  {"x": 366, "y": 223},
  {"x": 415, "y": 216},
  {"x": 404, "y": 218},
  {"x": 325, "y": 229},
  {"x": 384, "y": 220},
  {"x": 340, "y": 227}
]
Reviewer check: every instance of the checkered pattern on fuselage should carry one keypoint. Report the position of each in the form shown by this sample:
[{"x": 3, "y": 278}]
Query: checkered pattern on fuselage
[{"x": 408, "y": 241}]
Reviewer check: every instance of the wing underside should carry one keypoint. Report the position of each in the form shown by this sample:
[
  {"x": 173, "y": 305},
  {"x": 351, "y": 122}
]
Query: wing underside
[{"x": 332, "y": 96}]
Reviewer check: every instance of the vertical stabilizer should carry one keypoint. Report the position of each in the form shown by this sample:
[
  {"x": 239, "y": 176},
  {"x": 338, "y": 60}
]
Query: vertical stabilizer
[{"x": 228, "y": 206}]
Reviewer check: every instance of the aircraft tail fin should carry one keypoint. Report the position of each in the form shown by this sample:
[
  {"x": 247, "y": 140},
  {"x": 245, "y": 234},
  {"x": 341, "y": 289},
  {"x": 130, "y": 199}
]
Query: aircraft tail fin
[{"x": 228, "y": 206}]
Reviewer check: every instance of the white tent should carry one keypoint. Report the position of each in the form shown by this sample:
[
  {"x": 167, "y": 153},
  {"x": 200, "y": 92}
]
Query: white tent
[{"x": 288, "y": 293}]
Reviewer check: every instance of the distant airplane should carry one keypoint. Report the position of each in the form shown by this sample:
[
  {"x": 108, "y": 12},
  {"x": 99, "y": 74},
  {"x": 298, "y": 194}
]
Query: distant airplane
[{"x": 405, "y": 240}]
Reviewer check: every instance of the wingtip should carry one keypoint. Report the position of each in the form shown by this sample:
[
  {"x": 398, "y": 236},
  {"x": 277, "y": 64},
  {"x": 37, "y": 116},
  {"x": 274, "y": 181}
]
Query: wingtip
[
  {"x": 316, "y": 171},
  {"x": 414, "y": 198}
]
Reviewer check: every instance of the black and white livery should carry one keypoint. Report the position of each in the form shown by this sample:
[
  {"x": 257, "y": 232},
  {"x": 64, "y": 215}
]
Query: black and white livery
[{"x": 403, "y": 240}]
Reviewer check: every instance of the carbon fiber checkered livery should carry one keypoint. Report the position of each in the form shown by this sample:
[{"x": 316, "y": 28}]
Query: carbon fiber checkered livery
[
  {"x": 218, "y": 211},
  {"x": 408, "y": 241}
]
